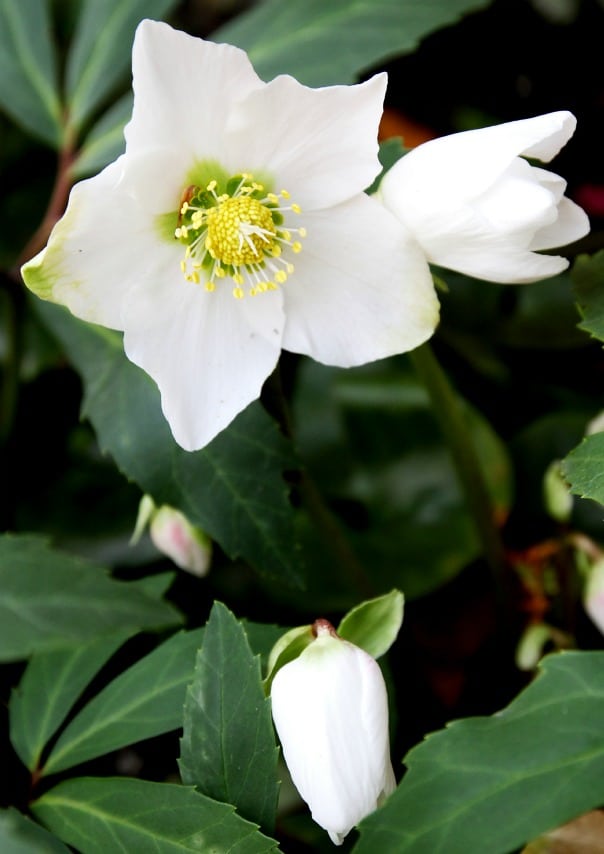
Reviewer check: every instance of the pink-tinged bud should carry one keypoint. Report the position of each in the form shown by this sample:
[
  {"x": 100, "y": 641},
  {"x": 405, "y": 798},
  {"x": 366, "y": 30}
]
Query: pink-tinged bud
[
  {"x": 330, "y": 710},
  {"x": 593, "y": 595},
  {"x": 182, "y": 542}
]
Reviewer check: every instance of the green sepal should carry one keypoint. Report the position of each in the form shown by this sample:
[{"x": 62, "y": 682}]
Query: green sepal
[
  {"x": 288, "y": 647},
  {"x": 373, "y": 625}
]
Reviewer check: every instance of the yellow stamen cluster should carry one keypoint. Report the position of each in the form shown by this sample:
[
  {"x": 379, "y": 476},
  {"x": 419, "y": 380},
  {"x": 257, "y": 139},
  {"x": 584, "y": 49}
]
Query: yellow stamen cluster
[{"x": 238, "y": 234}]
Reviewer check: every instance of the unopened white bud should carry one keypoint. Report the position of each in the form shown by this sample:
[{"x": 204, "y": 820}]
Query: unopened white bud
[
  {"x": 330, "y": 709},
  {"x": 182, "y": 542}
]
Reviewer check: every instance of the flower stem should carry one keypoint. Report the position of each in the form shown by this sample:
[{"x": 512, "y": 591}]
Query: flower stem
[
  {"x": 346, "y": 562},
  {"x": 454, "y": 426}
]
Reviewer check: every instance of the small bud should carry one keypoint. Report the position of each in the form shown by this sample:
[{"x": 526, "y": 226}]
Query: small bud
[
  {"x": 556, "y": 493},
  {"x": 176, "y": 537},
  {"x": 593, "y": 594},
  {"x": 531, "y": 645},
  {"x": 330, "y": 710},
  {"x": 173, "y": 535}
]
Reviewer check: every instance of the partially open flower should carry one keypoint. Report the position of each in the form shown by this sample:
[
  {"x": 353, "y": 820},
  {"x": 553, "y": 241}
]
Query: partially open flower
[
  {"x": 475, "y": 206},
  {"x": 235, "y": 225},
  {"x": 331, "y": 714}
]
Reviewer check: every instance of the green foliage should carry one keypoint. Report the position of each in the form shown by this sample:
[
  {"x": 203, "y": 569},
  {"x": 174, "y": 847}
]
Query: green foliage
[
  {"x": 51, "y": 684},
  {"x": 374, "y": 625},
  {"x": 105, "y": 142},
  {"x": 228, "y": 748},
  {"x": 233, "y": 489},
  {"x": 531, "y": 767},
  {"x": 50, "y": 600},
  {"x": 584, "y": 468},
  {"x": 322, "y": 43},
  {"x": 371, "y": 440},
  {"x": 144, "y": 701},
  {"x": 28, "y": 68},
  {"x": 20, "y": 835},
  {"x": 121, "y": 815},
  {"x": 588, "y": 278},
  {"x": 100, "y": 52}
]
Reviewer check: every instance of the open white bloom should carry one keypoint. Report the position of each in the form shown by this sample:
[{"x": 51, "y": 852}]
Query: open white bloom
[
  {"x": 235, "y": 225},
  {"x": 474, "y": 205},
  {"x": 330, "y": 710}
]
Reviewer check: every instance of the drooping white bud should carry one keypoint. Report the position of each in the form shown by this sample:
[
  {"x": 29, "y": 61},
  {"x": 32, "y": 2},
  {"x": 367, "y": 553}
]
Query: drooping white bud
[
  {"x": 176, "y": 537},
  {"x": 593, "y": 594},
  {"x": 330, "y": 710}
]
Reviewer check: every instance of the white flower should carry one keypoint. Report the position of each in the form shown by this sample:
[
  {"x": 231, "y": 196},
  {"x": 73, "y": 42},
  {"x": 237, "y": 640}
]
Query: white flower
[
  {"x": 331, "y": 714},
  {"x": 235, "y": 225},
  {"x": 474, "y": 205}
]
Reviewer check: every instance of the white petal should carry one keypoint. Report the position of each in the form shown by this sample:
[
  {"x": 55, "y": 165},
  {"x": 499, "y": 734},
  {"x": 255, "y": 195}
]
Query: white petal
[
  {"x": 464, "y": 165},
  {"x": 331, "y": 713},
  {"x": 209, "y": 353},
  {"x": 320, "y": 144},
  {"x": 361, "y": 290},
  {"x": 184, "y": 88},
  {"x": 572, "y": 224},
  {"x": 517, "y": 203},
  {"x": 103, "y": 245}
]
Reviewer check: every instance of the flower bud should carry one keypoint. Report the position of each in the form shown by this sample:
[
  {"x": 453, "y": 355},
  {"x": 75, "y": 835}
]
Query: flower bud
[
  {"x": 330, "y": 710},
  {"x": 556, "y": 493},
  {"x": 593, "y": 594},
  {"x": 173, "y": 535}
]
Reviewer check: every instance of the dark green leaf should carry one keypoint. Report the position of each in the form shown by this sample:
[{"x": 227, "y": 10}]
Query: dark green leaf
[
  {"x": 105, "y": 142},
  {"x": 50, "y": 686},
  {"x": 233, "y": 489},
  {"x": 588, "y": 278},
  {"x": 28, "y": 75},
  {"x": 322, "y": 43},
  {"x": 584, "y": 468},
  {"x": 50, "y": 600},
  {"x": 491, "y": 784},
  {"x": 124, "y": 816},
  {"x": 100, "y": 53},
  {"x": 20, "y": 835},
  {"x": 390, "y": 151},
  {"x": 145, "y": 701},
  {"x": 228, "y": 746}
]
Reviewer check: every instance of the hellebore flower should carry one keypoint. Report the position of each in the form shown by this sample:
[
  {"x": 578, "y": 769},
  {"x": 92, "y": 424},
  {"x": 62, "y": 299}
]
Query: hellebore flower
[
  {"x": 235, "y": 225},
  {"x": 474, "y": 205},
  {"x": 330, "y": 710}
]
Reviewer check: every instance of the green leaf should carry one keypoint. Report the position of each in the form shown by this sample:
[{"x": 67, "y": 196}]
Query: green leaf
[
  {"x": 233, "y": 489},
  {"x": 28, "y": 68},
  {"x": 123, "y": 816},
  {"x": 50, "y": 686},
  {"x": 144, "y": 701},
  {"x": 588, "y": 279},
  {"x": 287, "y": 648},
  {"x": 20, "y": 835},
  {"x": 105, "y": 142},
  {"x": 584, "y": 468},
  {"x": 390, "y": 151},
  {"x": 374, "y": 625},
  {"x": 50, "y": 600},
  {"x": 372, "y": 443},
  {"x": 100, "y": 53},
  {"x": 228, "y": 748},
  {"x": 491, "y": 784},
  {"x": 322, "y": 43}
]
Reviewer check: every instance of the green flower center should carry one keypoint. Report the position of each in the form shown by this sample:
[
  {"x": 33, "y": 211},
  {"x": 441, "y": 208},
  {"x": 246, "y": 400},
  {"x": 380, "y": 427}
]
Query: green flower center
[{"x": 238, "y": 234}]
